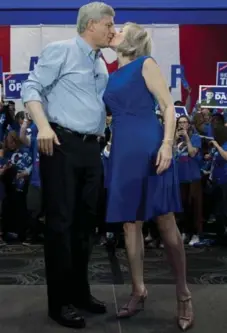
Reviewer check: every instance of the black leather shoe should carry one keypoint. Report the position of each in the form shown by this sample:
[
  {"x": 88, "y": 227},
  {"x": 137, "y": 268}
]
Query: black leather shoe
[
  {"x": 92, "y": 305},
  {"x": 68, "y": 317}
]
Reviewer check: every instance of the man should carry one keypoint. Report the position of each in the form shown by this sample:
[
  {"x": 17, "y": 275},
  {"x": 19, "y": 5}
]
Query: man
[
  {"x": 70, "y": 79},
  {"x": 209, "y": 101}
]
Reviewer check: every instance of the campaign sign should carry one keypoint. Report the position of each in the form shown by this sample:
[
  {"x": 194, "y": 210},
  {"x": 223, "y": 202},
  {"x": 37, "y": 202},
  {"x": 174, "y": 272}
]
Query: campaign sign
[
  {"x": 181, "y": 111},
  {"x": 221, "y": 74},
  {"x": 12, "y": 84},
  {"x": 213, "y": 97}
]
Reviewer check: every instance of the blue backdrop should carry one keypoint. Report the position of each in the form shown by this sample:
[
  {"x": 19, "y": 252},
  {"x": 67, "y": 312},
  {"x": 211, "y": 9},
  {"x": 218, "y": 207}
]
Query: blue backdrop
[{"x": 24, "y": 12}]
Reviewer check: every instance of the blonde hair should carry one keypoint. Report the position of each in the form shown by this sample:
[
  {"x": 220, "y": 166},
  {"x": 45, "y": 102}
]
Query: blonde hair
[{"x": 137, "y": 42}]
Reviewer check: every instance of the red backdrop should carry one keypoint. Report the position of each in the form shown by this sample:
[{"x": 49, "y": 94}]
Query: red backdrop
[
  {"x": 202, "y": 46},
  {"x": 5, "y": 47}
]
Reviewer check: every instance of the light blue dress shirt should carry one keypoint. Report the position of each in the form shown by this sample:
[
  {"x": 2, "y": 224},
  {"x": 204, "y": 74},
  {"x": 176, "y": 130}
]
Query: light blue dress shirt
[{"x": 69, "y": 80}]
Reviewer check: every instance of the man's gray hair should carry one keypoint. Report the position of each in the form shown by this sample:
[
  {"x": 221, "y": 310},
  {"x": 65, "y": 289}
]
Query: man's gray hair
[
  {"x": 92, "y": 11},
  {"x": 137, "y": 42}
]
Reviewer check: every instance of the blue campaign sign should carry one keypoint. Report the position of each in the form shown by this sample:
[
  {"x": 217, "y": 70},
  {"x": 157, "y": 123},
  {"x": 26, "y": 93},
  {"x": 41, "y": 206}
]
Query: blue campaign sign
[
  {"x": 12, "y": 84},
  {"x": 177, "y": 72},
  {"x": 181, "y": 111},
  {"x": 221, "y": 74},
  {"x": 213, "y": 97}
]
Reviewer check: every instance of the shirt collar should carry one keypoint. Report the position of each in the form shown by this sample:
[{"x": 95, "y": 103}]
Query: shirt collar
[{"x": 87, "y": 49}]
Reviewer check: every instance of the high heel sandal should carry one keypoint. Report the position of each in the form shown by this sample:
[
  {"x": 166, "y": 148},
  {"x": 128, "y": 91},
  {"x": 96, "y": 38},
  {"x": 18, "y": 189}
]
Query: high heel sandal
[
  {"x": 135, "y": 305},
  {"x": 185, "y": 321}
]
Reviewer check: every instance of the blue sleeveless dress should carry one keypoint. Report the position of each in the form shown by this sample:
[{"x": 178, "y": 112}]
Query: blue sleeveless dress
[{"x": 134, "y": 191}]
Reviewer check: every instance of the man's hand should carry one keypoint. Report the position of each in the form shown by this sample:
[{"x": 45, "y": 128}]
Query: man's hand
[{"x": 46, "y": 140}]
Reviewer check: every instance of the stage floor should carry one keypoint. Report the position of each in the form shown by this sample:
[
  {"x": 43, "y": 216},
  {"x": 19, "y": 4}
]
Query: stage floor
[
  {"x": 23, "y": 293},
  {"x": 21, "y": 265},
  {"x": 23, "y": 309}
]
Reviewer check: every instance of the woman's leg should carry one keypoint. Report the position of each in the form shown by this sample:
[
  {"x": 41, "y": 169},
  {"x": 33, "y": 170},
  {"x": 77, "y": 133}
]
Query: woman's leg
[
  {"x": 135, "y": 250},
  {"x": 174, "y": 248}
]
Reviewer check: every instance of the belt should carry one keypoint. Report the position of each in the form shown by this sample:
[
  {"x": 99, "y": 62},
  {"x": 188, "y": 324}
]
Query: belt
[{"x": 83, "y": 136}]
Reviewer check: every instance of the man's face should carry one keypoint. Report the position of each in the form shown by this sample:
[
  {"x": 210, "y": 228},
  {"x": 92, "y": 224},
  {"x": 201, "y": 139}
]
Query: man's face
[
  {"x": 209, "y": 95},
  {"x": 119, "y": 37},
  {"x": 102, "y": 31}
]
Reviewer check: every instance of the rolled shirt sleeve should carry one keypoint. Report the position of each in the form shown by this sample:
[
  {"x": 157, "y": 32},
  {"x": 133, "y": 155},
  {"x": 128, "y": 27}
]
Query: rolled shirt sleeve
[{"x": 45, "y": 73}]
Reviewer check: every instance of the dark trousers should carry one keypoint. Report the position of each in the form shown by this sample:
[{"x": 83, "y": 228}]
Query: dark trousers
[
  {"x": 71, "y": 183},
  {"x": 34, "y": 204},
  {"x": 220, "y": 207},
  {"x": 14, "y": 206},
  {"x": 191, "y": 220},
  {"x": 14, "y": 214}
]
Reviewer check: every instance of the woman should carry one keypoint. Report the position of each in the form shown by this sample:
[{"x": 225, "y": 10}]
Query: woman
[
  {"x": 188, "y": 145},
  {"x": 143, "y": 183}
]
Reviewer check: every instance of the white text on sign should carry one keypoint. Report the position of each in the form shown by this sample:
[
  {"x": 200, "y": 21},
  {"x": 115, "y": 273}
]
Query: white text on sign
[
  {"x": 223, "y": 79},
  {"x": 14, "y": 86},
  {"x": 220, "y": 96}
]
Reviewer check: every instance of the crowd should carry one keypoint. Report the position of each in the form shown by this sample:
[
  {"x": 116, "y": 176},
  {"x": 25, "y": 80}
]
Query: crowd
[
  {"x": 200, "y": 151},
  {"x": 21, "y": 209}
]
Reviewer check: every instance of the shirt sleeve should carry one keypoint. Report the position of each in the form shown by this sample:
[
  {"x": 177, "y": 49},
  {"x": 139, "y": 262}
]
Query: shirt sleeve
[
  {"x": 45, "y": 73},
  {"x": 196, "y": 141}
]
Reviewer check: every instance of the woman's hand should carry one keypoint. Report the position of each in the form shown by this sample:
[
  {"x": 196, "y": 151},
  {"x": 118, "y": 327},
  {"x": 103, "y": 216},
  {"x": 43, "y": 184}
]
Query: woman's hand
[
  {"x": 178, "y": 135},
  {"x": 164, "y": 157},
  {"x": 184, "y": 134}
]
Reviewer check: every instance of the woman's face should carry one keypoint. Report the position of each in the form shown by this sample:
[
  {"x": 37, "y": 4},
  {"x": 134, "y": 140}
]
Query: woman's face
[
  {"x": 206, "y": 115},
  {"x": 11, "y": 143},
  {"x": 20, "y": 121},
  {"x": 108, "y": 120},
  {"x": 183, "y": 124},
  {"x": 119, "y": 37}
]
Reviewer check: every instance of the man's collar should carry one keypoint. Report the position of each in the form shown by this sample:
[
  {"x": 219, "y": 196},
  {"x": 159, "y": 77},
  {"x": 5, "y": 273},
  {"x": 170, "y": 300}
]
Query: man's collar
[{"x": 87, "y": 49}]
